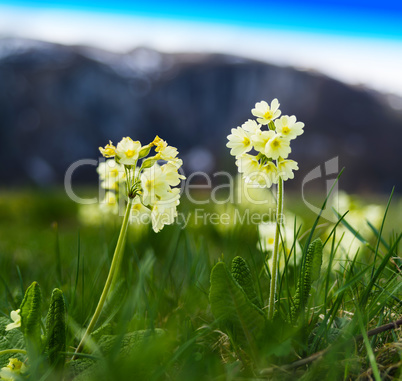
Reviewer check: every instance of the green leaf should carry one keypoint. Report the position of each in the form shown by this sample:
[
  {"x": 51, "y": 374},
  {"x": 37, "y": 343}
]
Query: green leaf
[
  {"x": 31, "y": 318},
  {"x": 233, "y": 309},
  {"x": 242, "y": 275},
  {"x": 128, "y": 342},
  {"x": 310, "y": 273},
  {"x": 122, "y": 345},
  {"x": 56, "y": 329},
  {"x": 13, "y": 339},
  {"x": 314, "y": 259}
]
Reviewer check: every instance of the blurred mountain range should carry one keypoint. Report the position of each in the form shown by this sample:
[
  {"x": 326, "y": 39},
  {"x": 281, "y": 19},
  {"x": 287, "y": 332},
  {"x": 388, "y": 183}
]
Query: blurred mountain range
[{"x": 58, "y": 104}]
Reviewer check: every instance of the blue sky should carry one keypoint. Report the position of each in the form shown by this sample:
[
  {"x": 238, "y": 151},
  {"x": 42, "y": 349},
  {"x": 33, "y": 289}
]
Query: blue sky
[
  {"x": 356, "y": 41},
  {"x": 355, "y": 17}
]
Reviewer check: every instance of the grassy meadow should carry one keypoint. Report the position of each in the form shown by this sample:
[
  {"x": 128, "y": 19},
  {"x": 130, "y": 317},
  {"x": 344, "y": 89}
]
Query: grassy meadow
[{"x": 168, "y": 318}]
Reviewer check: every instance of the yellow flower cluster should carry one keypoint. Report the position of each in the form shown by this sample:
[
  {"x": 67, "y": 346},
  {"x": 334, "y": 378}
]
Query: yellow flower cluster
[
  {"x": 256, "y": 149},
  {"x": 148, "y": 184}
]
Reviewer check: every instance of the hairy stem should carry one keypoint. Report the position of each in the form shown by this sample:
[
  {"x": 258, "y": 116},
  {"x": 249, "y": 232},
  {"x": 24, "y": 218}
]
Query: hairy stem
[
  {"x": 117, "y": 256},
  {"x": 274, "y": 270},
  {"x": 9, "y": 351}
]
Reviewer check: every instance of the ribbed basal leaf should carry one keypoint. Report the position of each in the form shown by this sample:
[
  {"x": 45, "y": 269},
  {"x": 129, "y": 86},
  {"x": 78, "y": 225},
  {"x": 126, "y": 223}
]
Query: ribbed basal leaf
[
  {"x": 30, "y": 319},
  {"x": 242, "y": 275},
  {"x": 56, "y": 328},
  {"x": 310, "y": 274},
  {"x": 314, "y": 256},
  {"x": 233, "y": 309},
  {"x": 12, "y": 339}
]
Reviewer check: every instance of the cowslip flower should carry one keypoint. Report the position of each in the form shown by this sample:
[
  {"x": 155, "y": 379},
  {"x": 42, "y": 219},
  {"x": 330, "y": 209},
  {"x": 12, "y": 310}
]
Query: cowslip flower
[
  {"x": 109, "y": 204},
  {"x": 165, "y": 152},
  {"x": 154, "y": 185},
  {"x": 135, "y": 173},
  {"x": 145, "y": 189},
  {"x": 262, "y": 154},
  {"x": 277, "y": 146},
  {"x": 260, "y": 140},
  {"x": 286, "y": 168},
  {"x": 109, "y": 150},
  {"x": 251, "y": 126},
  {"x": 111, "y": 174},
  {"x": 13, "y": 369},
  {"x": 239, "y": 141},
  {"x": 287, "y": 127},
  {"x": 262, "y": 158},
  {"x": 16, "y": 318},
  {"x": 127, "y": 151},
  {"x": 266, "y": 113},
  {"x": 164, "y": 210}
]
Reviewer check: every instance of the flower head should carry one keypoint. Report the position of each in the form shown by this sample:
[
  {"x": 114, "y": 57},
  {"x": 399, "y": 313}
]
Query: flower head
[
  {"x": 266, "y": 113},
  {"x": 286, "y": 168},
  {"x": 164, "y": 210},
  {"x": 239, "y": 141},
  {"x": 251, "y": 126},
  {"x": 127, "y": 151},
  {"x": 109, "y": 204},
  {"x": 172, "y": 176},
  {"x": 260, "y": 139},
  {"x": 271, "y": 144},
  {"x": 287, "y": 127},
  {"x": 109, "y": 150},
  {"x": 165, "y": 152},
  {"x": 13, "y": 369},
  {"x": 154, "y": 185},
  {"x": 277, "y": 146},
  {"x": 16, "y": 318},
  {"x": 111, "y": 174},
  {"x": 148, "y": 184}
]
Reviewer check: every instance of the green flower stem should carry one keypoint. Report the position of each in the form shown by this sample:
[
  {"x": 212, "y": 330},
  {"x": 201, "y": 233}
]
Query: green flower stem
[
  {"x": 274, "y": 271},
  {"x": 9, "y": 351},
  {"x": 117, "y": 256}
]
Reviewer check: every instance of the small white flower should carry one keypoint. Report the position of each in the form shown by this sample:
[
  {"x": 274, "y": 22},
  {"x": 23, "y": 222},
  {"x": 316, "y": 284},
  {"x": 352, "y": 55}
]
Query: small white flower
[
  {"x": 266, "y": 232},
  {"x": 255, "y": 173},
  {"x": 164, "y": 210},
  {"x": 176, "y": 162},
  {"x": 286, "y": 168},
  {"x": 154, "y": 184},
  {"x": 13, "y": 369},
  {"x": 172, "y": 176},
  {"x": 266, "y": 113},
  {"x": 264, "y": 177},
  {"x": 239, "y": 141},
  {"x": 16, "y": 318},
  {"x": 271, "y": 172},
  {"x": 260, "y": 139},
  {"x": 111, "y": 174},
  {"x": 277, "y": 146},
  {"x": 109, "y": 150},
  {"x": 109, "y": 203},
  {"x": 127, "y": 151},
  {"x": 287, "y": 127},
  {"x": 247, "y": 164},
  {"x": 165, "y": 152},
  {"x": 251, "y": 126}
]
